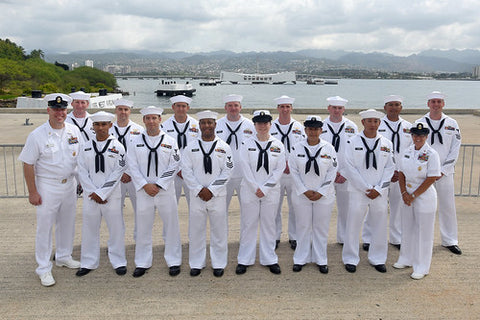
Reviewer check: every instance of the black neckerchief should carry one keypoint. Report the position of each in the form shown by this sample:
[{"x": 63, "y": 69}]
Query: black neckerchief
[
  {"x": 263, "y": 160},
  {"x": 396, "y": 146},
  {"x": 372, "y": 151},
  {"x": 312, "y": 160},
  {"x": 121, "y": 137},
  {"x": 99, "y": 158},
  {"x": 181, "y": 137},
  {"x": 285, "y": 137},
  {"x": 437, "y": 131},
  {"x": 152, "y": 153},
  {"x": 82, "y": 129},
  {"x": 336, "y": 136},
  {"x": 233, "y": 133},
  {"x": 207, "y": 159}
]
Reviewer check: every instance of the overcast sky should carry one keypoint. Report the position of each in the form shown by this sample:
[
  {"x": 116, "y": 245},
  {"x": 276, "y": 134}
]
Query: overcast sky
[{"x": 400, "y": 27}]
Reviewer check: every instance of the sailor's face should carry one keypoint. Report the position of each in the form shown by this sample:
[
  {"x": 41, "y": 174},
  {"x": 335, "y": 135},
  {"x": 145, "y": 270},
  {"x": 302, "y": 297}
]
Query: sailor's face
[
  {"x": 122, "y": 113},
  {"x": 393, "y": 108},
  {"x": 180, "y": 108},
  {"x": 263, "y": 127},
  {"x": 80, "y": 106},
  {"x": 152, "y": 121},
  {"x": 207, "y": 127},
  {"x": 419, "y": 140},
  {"x": 313, "y": 133},
  {"x": 371, "y": 124},
  {"x": 57, "y": 116},
  {"x": 101, "y": 129},
  {"x": 336, "y": 111},
  {"x": 233, "y": 108},
  {"x": 436, "y": 104},
  {"x": 284, "y": 109}
]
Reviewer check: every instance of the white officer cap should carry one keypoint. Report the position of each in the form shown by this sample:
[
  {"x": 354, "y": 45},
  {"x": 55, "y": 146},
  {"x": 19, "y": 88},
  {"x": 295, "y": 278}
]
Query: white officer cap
[
  {"x": 337, "y": 101},
  {"x": 313, "y": 122},
  {"x": 180, "y": 98},
  {"x": 123, "y": 102},
  {"x": 262, "y": 116},
  {"x": 436, "y": 95},
  {"x": 80, "y": 95},
  {"x": 393, "y": 97},
  {"x": 151, "y": 110},
  {"x": 207, "y": 114},
  {"x": 232, "y": 98},
  {"x": 284, "y": 100},
  {"x": 58, "y": 100},
  {"x": 102, "y": 116},
  {"x": 371, "y": 113}
]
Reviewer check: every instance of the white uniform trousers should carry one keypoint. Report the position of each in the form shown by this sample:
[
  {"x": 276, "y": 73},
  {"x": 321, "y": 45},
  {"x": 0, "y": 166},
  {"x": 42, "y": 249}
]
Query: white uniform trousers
[
  {"x": 254, "y": 210},
  {"x": 179, "y": 184},
  {"x": 312, "y": 222},
  {"x": 342, "y": 196},
  {"x": 216, "y": 211},
  {"x": 232, "y": 185},
  {"x": 166, "y": 204},
  {"x": 286, "y": 186},
  {"x": 395, "y": 225},
  {"x": 447, "y": 213},
  {"x": 129, "y": 188},
  {"x": 92, "y": 218},
  {"x": 418, "y": 224},
  {"x": 58, "y": 209},
  {"x": 377, "y": 209}
]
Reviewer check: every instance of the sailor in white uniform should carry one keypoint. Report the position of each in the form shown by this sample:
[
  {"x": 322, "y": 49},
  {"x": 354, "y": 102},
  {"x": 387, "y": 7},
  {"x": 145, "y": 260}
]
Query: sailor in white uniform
[
  {"x": 184, "y": 129},
  {"x": 49, "y": 164},
  {"x": 289, "y": 132},
  {"x": 125, "y": 130},
  {"x": 445, "y": 138},
  {"x": 101, "y": 164},
  {"x": 234, "y": 128},
  {"x": 79, "y": 115},
  {"x": 313, "y": 166},
  {"x": 369, "y": 167},
  {"x": 396, "y": 130},
  {"x": 336, "y": 130},
  {"x": 154, "y": 160},
  {"x": 419, "y": 167},
  {"x": 262, "y": 158},
  {"x": 207, "y": 184}
]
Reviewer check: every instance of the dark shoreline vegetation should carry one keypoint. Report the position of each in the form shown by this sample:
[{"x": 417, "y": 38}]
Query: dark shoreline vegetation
[{"x": 20, "y": 73}]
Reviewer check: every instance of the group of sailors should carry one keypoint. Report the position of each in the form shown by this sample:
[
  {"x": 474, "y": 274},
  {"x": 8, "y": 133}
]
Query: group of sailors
[{"x": 390, "y": 166}]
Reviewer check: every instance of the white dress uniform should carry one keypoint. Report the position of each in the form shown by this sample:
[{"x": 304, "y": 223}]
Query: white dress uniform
[
  {"x": 54, "y": 153},
  {"x": 312, "y": 217},
  {"x": 363, "y": 176},
  {"x": 103, "y": 180},
  {"x": 234, "y": 133},
  {"x": 418, "y": 220},
  {"x": 215, "y": 209},
  {"x": 399, "y": 133},
  {"x": 85, "y": 126},
  {"x": 125, "y": 135},
  {"x": 256, "y": 210},
  {"x": 289, "y": 134},
  {"x": 446, "y": 141},
  {"x": 144, "y": 168},
  {"x": 338, "y": 133},
  {"x": 184, "y": 134}
]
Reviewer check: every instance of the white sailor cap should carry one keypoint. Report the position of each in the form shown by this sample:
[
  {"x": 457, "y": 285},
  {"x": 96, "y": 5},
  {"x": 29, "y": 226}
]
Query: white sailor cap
[
  {"x": 393, "y": 97},
  {"x": 123, "y": 102},
  {"x": 232, "y": 98},
  {"x": 58, "y": 100},
  {"x": 207, "y": 114},
  {"x": 313, "y": 122},
  {"x": 180, "y": 98},
  {"x": 371, "y": 113},
  {"x": 102, "y": 116},
  {"x": 436, "y": 95},
  {"x": 80, "y": 95},
  {"x": 284, "y": 100},
  {"x": 151, "y": 110},
  {"x": 262, "y": 116},
  {"x": 337, "y": 101}
]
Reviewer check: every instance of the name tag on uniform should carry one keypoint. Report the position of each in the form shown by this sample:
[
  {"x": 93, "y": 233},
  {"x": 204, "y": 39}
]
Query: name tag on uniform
[
  {"x": 252, "y": 149},
  {"x": 359, "y": 148}
]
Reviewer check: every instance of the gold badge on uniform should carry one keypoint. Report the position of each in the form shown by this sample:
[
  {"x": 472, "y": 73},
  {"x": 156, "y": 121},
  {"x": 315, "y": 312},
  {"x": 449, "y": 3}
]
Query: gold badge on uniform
[
  {"x": 409, "y": 185},
  {"x": 74, "y": 153},
  {"x": 419, "y": 168}
]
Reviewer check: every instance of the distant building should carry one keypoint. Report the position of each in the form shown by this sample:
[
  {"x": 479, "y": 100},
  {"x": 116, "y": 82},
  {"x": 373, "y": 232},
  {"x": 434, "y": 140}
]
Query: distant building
[
  {"x": 117, "y": 69},
  {"x": 74, "y": 66},
  {"x": 476, "y": 72},
  {"x": 89, "y": 63}
]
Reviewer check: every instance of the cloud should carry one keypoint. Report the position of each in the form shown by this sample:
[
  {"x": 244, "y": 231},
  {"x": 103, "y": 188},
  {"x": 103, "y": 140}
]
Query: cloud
[{"x": 397, "y": 27}]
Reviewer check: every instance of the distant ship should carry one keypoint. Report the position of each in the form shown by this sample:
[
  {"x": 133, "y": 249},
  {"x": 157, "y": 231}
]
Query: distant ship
[
  {"x": 257, "y": 78},
  {"x": 172, "y": 88}
]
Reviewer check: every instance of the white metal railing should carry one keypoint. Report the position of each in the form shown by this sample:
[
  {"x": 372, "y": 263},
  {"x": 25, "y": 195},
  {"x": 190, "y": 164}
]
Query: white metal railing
[{"x": 12, "y": 182}]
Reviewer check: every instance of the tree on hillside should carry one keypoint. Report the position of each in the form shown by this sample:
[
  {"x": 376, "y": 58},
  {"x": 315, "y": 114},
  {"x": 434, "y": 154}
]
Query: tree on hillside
[
  {"x": 9, "y": 50},
  {"x": 37, "y": 54}
]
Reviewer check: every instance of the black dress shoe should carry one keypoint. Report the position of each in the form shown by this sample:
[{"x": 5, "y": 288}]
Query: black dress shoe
[
  {"x": 454, "y": 249},
  {"x": 276, "y": 244},
  {"x": 297, "y": 267},
  {"x": 323, "y": 268},
  {"x": 241, "y": 269},
  {"x": 366, "y": 246},
  {"x": 293, "y": 244},
  {"x": 138, "y": 272},
  {"x": 195, "y": 272},
  {"x": 218, "y": 272},
  {"x": 381, "y": 268},
  {"x": 396, "y": 245},
  {"x": 351, "y": 268},
  {"x": 82, "y": 272},
  {"x": 275, "y": 268},
  {"x": 121, "y": 271},
  {"x": 174, "y": 271}
]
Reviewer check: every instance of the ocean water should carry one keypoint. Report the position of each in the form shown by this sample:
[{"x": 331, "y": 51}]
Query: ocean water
[{"x": 360, "y": 93}]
